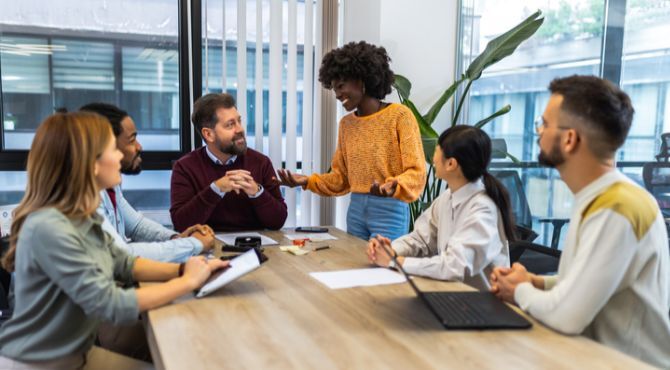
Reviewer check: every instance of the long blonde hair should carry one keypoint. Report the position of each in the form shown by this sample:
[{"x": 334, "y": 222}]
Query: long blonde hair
[{"x": 61, "y": 170}]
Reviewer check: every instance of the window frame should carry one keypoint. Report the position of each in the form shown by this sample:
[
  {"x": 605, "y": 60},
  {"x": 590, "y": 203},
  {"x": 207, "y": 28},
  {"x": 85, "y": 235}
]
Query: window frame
[{"x": 16, "y": 160}]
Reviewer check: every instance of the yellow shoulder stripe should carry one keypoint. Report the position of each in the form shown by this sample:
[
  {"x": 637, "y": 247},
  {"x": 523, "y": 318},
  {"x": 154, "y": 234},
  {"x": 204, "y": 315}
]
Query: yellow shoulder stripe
[{"x": 628, "y": 200}]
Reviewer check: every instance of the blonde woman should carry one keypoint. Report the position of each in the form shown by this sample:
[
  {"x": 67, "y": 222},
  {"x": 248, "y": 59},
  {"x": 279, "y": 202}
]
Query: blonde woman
[{"x": 65, "y": 265}]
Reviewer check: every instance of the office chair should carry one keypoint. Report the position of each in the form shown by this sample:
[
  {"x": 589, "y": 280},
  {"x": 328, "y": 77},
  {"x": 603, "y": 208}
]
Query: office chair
[
  {"x": 537, "y": 258},
  {"x": 656, "y": 176},
  {"x": 664, "y": 153},
  {"x": 522, "y": 216},
  {"x": 519, "y": 204}
]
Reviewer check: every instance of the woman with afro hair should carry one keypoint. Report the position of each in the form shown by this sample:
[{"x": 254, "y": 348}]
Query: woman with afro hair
[{"x": 379, "y": 156}]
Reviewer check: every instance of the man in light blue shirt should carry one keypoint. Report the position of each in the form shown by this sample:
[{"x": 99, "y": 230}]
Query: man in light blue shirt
[{"x": 132, "y": 231}]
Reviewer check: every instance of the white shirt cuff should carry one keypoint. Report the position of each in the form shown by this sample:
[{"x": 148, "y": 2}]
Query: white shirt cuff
[
  {"x": 550, "y": 281},
  {"x": 402, "y": 249},
  {"x": 412, "y": 265},
  {"x": 258, "y": 194},
  {"x": 523, "y": 295},
  {"x": 217, "y": 190}
]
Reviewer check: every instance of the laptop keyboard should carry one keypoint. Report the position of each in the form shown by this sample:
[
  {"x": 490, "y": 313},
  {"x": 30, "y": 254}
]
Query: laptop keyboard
[{"x": 456, "y": 309}]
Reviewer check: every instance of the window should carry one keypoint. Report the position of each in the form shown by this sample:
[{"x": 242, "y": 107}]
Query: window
[
  {"x": 569, "y": 42},
  {"x": 67, "y": 53},
  {"x": 646, "y": 76}
]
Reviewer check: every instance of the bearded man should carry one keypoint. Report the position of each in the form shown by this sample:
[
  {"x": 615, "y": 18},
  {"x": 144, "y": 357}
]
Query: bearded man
[{"x": 224, "y": 184}]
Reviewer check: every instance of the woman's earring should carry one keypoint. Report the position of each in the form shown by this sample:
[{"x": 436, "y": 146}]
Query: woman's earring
[{"x": 363, "y": 89}]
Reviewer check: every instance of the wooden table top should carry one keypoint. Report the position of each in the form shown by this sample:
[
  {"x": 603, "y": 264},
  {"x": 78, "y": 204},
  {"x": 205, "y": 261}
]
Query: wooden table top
[{"x": 280, "y": 317}]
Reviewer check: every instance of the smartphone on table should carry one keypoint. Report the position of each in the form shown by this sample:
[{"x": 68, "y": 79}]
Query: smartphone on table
[{"x": 311, "y": 229}]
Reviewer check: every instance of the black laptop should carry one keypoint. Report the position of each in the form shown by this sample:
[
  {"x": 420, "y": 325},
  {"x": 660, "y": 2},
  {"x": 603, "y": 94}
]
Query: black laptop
[{"x": 468, "y": 310}]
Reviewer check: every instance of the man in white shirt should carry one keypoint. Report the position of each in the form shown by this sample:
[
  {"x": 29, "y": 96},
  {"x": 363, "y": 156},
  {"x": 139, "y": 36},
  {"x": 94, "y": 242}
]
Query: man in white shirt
[
  {"x": 132, "y": 231},
  {"x": 613, "y": 281}
]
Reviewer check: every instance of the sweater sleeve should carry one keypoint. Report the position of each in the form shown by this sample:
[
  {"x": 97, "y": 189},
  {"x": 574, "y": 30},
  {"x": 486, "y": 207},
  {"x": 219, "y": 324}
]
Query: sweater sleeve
[
  {"x": 606, "y": 248},
  {"x": 412, "y": 180},
  {"x": 269, "y": 207},
  {"x": 62, "y": 255},
  {"x": 189, "y": 204},
  {"x": 334, "y": 182}
]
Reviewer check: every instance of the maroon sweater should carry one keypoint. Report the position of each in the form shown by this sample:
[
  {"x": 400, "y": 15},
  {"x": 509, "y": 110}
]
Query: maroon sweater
[{"x": 194, "y": 202}]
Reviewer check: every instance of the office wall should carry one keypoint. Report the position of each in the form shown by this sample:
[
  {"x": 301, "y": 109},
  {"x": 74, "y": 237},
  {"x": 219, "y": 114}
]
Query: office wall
[{"x": 420, "y": 37}]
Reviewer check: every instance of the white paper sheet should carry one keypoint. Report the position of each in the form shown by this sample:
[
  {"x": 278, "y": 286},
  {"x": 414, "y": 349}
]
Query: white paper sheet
[
  {"x": 229, "y": 238},
  {"x": 358, "y": 277},
  {"x": 310, "y": 236},
  {"x": 239, "y": 266}
]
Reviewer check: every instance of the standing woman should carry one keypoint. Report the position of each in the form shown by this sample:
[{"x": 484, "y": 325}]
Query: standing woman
[
  {"x": 379, "y": 156},
  {"x": 64, "y": 264},
  {"x": 465, "y": 232}
]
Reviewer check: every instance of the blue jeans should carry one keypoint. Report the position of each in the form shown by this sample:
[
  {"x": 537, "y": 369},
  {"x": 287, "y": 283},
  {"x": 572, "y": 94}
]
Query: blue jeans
[{"x": 370, "y": 215}]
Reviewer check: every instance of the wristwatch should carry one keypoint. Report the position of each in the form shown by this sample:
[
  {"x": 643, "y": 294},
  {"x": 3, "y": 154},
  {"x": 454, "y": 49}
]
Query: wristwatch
[{"x": 392, "y": 264}]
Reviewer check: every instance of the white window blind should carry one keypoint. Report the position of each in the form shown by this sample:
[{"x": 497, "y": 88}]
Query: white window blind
[{"x": 272, "y": 46}]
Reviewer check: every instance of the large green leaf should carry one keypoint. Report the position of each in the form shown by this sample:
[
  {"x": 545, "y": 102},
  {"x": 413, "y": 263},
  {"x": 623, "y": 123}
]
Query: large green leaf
[
  {"x": 402, "y": 86},
  {"x": 424, "y": 128},
  {"x": 437, "y": 107},
  {"x": 504, "y": 45},
  {"x": 502, "y": 111},
  {"x": 429, "y": 144}
]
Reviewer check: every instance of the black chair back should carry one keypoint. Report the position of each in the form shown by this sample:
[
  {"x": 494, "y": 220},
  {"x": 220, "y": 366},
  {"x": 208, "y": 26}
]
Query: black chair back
[
  {"x": 656, "y": 177},
  {"x": 517, "y": 196},
  {"x": 537, "y": 259},
  {"x": 664, "y": 153}
]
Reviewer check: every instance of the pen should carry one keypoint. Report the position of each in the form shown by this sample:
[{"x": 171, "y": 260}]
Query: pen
[{"x": 321, "y": 248}]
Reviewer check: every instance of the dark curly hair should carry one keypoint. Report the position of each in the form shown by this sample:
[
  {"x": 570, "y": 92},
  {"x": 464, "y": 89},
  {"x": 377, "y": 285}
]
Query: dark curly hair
[{"x": 358, "y": 61}]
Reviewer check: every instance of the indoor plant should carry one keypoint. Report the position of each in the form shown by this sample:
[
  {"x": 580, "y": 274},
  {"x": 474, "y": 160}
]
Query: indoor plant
[{"x": 496, "y": 50}]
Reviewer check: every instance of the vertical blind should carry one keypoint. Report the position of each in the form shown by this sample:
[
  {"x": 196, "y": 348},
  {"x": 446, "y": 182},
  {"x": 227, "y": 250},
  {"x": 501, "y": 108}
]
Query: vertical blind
[{"x": 275, "y": 47}]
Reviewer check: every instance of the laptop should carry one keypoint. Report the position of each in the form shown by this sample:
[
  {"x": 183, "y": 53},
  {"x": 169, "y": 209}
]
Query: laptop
[{"x": 467, "y": 310}]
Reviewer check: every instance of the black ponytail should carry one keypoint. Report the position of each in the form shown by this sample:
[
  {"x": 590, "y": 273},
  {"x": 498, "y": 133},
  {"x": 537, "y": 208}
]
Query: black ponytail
[
  {"x": 497, "y": 191},
  {"x": 471, "y": 147}
]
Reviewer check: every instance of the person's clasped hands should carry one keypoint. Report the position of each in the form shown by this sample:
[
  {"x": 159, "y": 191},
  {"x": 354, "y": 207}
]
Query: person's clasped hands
[
  {"x": 238, "y": 181},
  {"x": 504, "y": 281},
  {"x": 203, "y": 233},
  {"x": 386, "y": 189}
]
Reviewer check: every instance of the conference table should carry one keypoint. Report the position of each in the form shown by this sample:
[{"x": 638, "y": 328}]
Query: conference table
[{"x": 279, "y": 317}]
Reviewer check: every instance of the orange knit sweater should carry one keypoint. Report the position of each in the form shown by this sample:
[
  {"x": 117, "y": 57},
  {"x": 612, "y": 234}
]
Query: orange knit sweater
[{"x": 383, "y": 146}]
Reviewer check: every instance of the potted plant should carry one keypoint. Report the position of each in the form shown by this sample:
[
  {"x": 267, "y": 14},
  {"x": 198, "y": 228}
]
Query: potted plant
[{"x": 496, "y": 50}]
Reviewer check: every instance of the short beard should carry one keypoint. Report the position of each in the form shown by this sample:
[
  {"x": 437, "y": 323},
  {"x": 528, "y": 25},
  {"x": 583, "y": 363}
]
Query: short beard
[
  {"x": 554, "y": 158},
  {"x": 130, "y": 170},
  {"x": 232, "y": 148}
]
